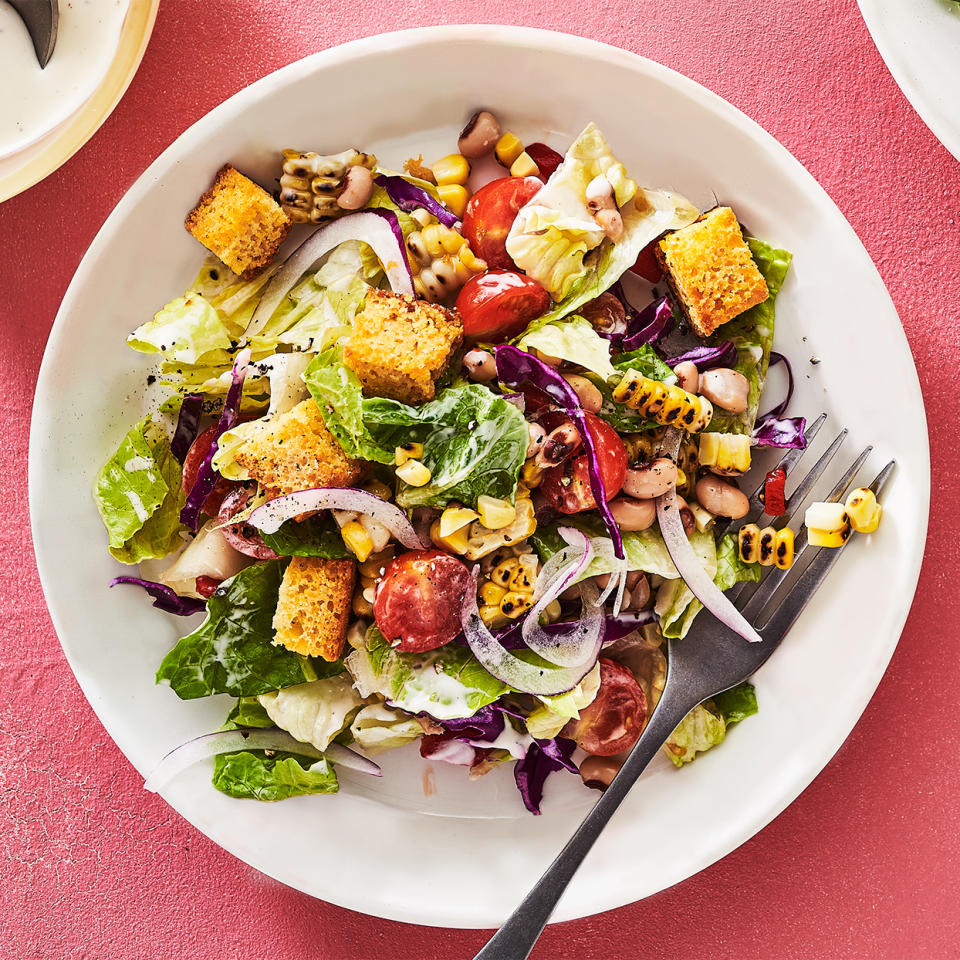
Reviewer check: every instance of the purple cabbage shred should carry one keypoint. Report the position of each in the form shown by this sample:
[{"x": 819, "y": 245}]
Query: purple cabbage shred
[
  {"x": 164, "y": 598},
  {"x": 772, "y": 428},
  {"x": 409, "y": 197},
  {"x": 650, "y": 325},
  {"x": 543, "y": 758},
  {"x": 724, "y": 354},
  {"x": 188, "y": 424}
]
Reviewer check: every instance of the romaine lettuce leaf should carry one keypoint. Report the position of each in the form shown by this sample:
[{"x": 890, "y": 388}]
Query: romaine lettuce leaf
[
  {"x": 317, "y": 536},
  {"x": 702, "y": 728},
  {"x": 314, "y": 712},
  {"x": 187, "y": 330},
  {"x": 572, "y": 339},
  {"x": 139, "y": 496},
  {"x": 253, "y": 775},
  {"x": 737, "y": 703},
  {"x": 377, "y": 727},
  {"x": 232, "y": 651},
  {"x": 446, "y": 683},
  {"x": 247, "y": 712},
  {"x": 752, "y": 335},
  {"x": 547, "y": 720}
]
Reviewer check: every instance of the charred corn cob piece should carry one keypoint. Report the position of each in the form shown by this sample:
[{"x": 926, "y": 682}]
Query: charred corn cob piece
[
  {"x": 863, "y": 511},
  {"x": 827, "y": 525},
  {"x": 668, "y": 405},
  {"x": 643, "y": 447},
  {"x": 310, "y": 183},
  {"x": 768, "y": 546},
  {"x": 726, "y": 454},
  {"x": 509, "y": 586},
  {"x": 783, "y": 551},
  {"x": 441, "y": 259}
]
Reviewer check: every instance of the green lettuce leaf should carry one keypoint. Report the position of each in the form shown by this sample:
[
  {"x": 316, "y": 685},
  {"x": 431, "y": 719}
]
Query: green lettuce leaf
[
  {"x": 547, "y": 720},
  {"x": 253, "y": 775},
  {"x": 446, "y": 683},
  {"x": 247, "y": 712},
  {"x": 187, "y": 330},
  {"x": 572, "y": 339},
  {"x": 232, "y": 651},
  {"x": 316, "y": 537},
  {"x": 314, "y": 712},
  {"x": 730, "y": 568},
  {"x": 644, "y": 360},
  {"x": 702, "y": 728},
  {"x": 139, "y": 496},
  {"x": 737, "y": 703},
  {"x": 752, "y": 334},
  {"x": 377, "y": 727}
]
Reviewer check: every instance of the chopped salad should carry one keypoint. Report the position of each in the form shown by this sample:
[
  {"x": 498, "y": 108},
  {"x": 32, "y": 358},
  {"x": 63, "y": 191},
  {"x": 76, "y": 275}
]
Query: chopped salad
[{"x": 440, "y": 455}]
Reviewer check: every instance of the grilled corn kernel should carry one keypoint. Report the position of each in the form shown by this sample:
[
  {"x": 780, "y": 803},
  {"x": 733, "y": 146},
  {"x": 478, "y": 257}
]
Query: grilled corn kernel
[
  {"x": 704, "y": 519},
  {"x": 455, "y": 542},
  {"x": 667, "y": 404},
  {"x": 525, "y": 576},
  {"x": 414, "y": 473},
  {"x": 454, "y": 197},
  {"x": 492, "y": 593},
  {"x": 378, "y": 489},
  {"x": 503, "y": 572},
  {"x": 508, "y": 148},
  {"x": 484, "y": 541},
  {"x": 440, "y": 257},
  {"x": 830, "y": 517},
  {"x": 783, "y": 549},
  {"x": 531, "y": 474},
  {"x": 827, "y": 538},
  {"x": 407, "y": 451},
  {"x": 768, "y": 537},
  {"x": 492, "y": 616},
  {"x": 495, "y": 514},
  {"x": 524, "y": 166},
  {"x": 727, "y": 454},
  {"x": 358, "y": 541},
  {"x": 749, "y": 542},
  {"x": 514, "y": 604},
  {"x": 863, "y": 511},
  {"x": 456, "y": 518},
  {"x": 452, "y": 169},
  {"x": 310, "y": 183}
]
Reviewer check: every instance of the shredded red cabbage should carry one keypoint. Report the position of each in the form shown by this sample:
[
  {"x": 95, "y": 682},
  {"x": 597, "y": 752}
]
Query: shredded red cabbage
[
  {"x": 773, "y": 430},
  {"x": 188, "y": 425},
  {"x": 622, "y": 625},
  {"x": 486, "y": 724},
  {"x": 543, "y": 758},
  {"x": 516, "y": 367},
  {"x": 409, "y": 197},
  {"x": 206, "y": 475},
  {"x": 724, "y": 354},
  {"x": 650, "y": 325},
  {"x": 164, "y": 598}
]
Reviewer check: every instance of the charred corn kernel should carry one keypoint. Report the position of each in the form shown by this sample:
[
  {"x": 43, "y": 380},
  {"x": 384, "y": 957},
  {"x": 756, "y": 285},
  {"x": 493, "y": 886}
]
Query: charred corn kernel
[
  {"x": 828, "y": 538},
  {"x": 452, "y": 169},
  {"x": 727, "y": 454},
  {"x": 828, "y": 517},
  {"x": 358, "y": 541},
  {"x": 644, "y": 446},
  {"x": 495, "y": 514},
  {"x": 492, "y": 593},
  {"x": 531, "y": 474},
  {"x": 406, "y": 452},
  {"x": 440, "y": 258},
  {"x": 455, "y": 518},
  {"x": 524, "y": 166},
  {"x": 748, "y": 540},
  {"x": 508, "y": 148},
  {"x": 704, "y": 519},
  {"x": 503, "y": 572},
  {"x": 768, "y": 537},
  {"x": 414, "y": 473},
  {"x": 454, "y": 197},
  {"x": 455, "y": 542},
  {"x": 862, "y": 510},
  {"x": 310, "y": 183},
  {"x": 492, "y": 616},
  {"x": 525, "y": 576},
  {"x": 378, "y": 489},
  {"x": 783, "y": 549},
  {"x": 514, "y": 604},
  {"x": 361, "y": 606},
  {"x": 666, "y": 404}
]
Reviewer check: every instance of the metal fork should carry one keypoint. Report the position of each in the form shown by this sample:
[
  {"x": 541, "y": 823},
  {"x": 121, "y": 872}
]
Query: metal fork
[{"x": 709, "y": 660}]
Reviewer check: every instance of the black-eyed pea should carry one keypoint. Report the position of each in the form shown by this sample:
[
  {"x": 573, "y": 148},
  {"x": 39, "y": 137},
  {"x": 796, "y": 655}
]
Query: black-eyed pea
[
  {"x": 722, "y": 499},
  {"x": 357, "y": 188},
  {"x": 598, "y": 772},
  {"x": 480, "y": 365},
  {"x": 537, "y": 437},
  {"x": 480, "y": 135},
  {"x": 725, "y": 388},
  {"x": 633, "y": 515},
  {"x": 650, "y": 480},
  {"x": 688, "y": 376}
]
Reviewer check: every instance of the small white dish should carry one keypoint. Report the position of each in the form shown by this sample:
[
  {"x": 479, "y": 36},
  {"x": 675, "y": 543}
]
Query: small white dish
[{"x": 471, "y": 862}]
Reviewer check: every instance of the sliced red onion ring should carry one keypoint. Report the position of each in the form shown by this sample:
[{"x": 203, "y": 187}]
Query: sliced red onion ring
[
  {"x": 685, "y": 560},
  {"x": 577, "y": 645},
  {"x": 269, "y": 517},
  {"x": 502, "y": 664},
  {"x": 373, "y": 227},
  {"x": 247, "y": 738}
]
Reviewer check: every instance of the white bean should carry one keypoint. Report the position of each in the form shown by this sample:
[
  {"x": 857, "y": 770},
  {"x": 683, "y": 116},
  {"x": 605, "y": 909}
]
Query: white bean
[
  {"x": 726, "y": 388},
  {"x": 591, "y": 399},
  {"x": 651, "y": 480},
  {"x": 688, "y": 376},
  {"x": 357, "y": 187},
  {"x": 722, "y": 499},
  {"x": 480, "y": 365},
  {"x": 632, "y": 514},
  {"x": 480, "y": 135}
]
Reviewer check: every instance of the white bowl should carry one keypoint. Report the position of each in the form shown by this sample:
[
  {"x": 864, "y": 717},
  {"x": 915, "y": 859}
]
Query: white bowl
[{"x": 399, "y": 95}]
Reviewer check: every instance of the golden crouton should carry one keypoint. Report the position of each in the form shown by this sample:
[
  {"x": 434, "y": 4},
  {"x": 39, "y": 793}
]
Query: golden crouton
[
  {"x": 710, "y": 270},
  {"x": 239, "y": 222},
  {"x": 298, "y": 452},
  {"x": 400, "y": 346},
  {"x": 314, "y": 606}
]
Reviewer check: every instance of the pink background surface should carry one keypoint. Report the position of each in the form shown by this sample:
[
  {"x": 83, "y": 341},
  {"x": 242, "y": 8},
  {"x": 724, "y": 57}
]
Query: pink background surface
[{"x": 864, "y": 864}]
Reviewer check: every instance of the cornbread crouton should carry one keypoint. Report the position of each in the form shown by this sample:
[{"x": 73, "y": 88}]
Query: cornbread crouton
[
  {"x": 314, "y": 606},
  {"x": 400, "y": 346},
  {"x": 297, "y": 452},
  {"x": 710, "y": 270},
  {"x": 239, "y": 222}
]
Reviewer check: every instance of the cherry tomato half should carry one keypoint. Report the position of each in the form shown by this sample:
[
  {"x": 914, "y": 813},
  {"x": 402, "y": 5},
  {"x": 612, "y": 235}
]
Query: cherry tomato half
[
  {"x": 615, "y": 719},
  {"x": 647, "y": 265},
  {"x": 205, "y": 586},
  {"x": 191, "y": 466},
  {"x": 499, "y": 304},
  {"x": 490, "y": 215},
  {"x": 566, "y": 486},
  {"x": 418, "y": 600}
]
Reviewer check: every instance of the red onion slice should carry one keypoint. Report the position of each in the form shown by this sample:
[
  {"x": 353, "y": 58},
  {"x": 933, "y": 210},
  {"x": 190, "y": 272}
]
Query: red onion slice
[
  {"x": 269, "y": 517},
  {"x": 373, "y": 228},
  {"x": 579, "y": 644},
  {"x": 502, "y": 664},
  {"x": 685, "y": 560},
  {"x": 229, "y": 741}
]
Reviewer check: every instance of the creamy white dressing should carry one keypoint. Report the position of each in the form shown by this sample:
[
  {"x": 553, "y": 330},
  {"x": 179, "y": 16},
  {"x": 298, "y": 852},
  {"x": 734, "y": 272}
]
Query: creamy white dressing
[
  {"x": 514, "y": 742},
  {"x": 432, "y": 691},
  {"x": 137, "y": 504},
  {"x": 39, "y": 100},
  {"x": 136, "y": 464}
]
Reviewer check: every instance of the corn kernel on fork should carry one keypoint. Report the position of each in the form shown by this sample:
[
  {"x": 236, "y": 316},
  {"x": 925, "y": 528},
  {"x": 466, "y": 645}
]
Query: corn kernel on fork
[{"x": 709, "y": 660}]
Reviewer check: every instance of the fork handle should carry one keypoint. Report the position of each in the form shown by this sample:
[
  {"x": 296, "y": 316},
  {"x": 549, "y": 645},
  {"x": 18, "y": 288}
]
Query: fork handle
[{"x": 518, "y": 935}]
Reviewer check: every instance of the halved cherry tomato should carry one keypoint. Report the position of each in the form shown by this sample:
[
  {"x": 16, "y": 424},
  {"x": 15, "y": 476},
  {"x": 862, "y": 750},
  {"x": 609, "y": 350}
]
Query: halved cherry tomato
[
  {"x": 774, "y": 493},
  {"x": 499, "y": 304},
  {"x": 566, "y": 486},
  {"x": 647, "y": 265},
  {"x": 616, "y": 718},
  {"x": 206, "y": 585},
  {"x": 490, "y": 215},
  {"x": 418, "y": 599},
  {"x": 546, "y": 158},
  {"x": 191, "y": 466}
]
